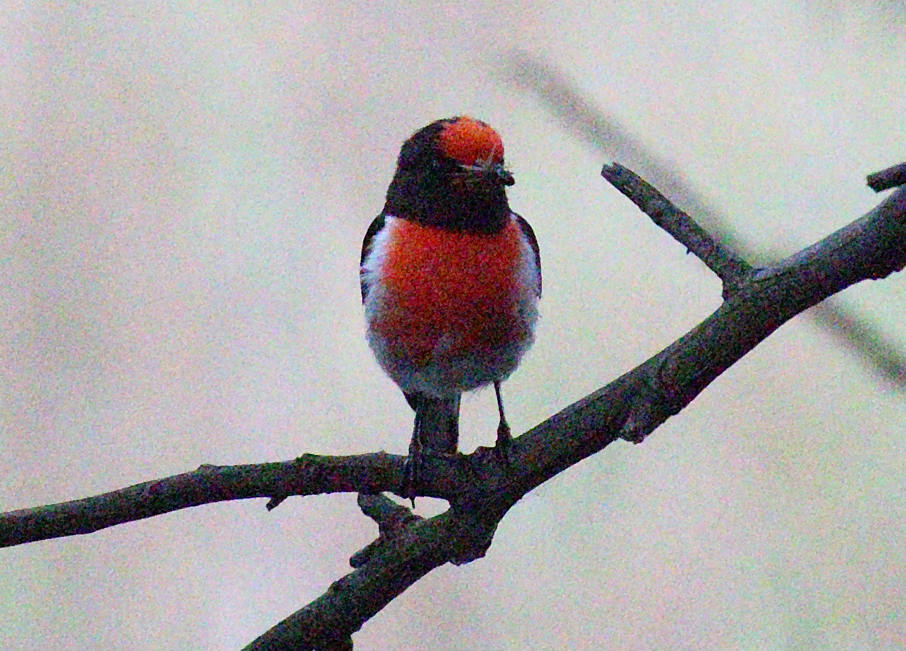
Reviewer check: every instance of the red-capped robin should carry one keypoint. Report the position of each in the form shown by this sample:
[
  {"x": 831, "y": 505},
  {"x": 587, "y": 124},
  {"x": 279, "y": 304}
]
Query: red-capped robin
[{"x": 450, "y": 280}]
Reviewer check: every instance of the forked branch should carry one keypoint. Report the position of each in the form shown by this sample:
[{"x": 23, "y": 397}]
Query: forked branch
[{"x": 479, "y": 488}]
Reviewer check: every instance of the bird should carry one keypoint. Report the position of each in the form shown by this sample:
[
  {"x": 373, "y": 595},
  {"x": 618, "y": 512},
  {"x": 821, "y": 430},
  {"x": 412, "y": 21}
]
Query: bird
[{"x": 450, "y": 279}]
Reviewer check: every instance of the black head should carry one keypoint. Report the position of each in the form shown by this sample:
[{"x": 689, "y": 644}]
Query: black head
[{"x": 451, "y": 174}]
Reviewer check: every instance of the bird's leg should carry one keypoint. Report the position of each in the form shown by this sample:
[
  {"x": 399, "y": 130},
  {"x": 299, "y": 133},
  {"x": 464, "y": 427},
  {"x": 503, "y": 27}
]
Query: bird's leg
[
  {"x": 502, "y": 447},
  {"x": 412, "y": 461}
]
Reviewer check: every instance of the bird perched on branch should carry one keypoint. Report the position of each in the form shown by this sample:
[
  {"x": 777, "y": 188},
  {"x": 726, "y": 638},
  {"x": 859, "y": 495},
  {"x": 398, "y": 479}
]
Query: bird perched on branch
[{"x": 450, "y": 280}]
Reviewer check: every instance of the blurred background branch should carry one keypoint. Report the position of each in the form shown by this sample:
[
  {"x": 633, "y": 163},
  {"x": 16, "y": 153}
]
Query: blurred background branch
[{"x": 559, "y": 95}]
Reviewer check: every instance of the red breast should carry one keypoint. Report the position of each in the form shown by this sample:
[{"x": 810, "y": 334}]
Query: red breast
[{"x": 454, "y": 291}]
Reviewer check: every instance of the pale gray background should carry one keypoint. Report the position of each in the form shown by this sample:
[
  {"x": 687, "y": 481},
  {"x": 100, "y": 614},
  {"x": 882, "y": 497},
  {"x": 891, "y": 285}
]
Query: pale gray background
[{"x": 185, "y": 189}]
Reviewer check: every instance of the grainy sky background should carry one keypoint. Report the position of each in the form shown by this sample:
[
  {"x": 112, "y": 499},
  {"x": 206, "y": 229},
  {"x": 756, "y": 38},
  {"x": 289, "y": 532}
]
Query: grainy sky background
[{"x": 185, "y": 187}]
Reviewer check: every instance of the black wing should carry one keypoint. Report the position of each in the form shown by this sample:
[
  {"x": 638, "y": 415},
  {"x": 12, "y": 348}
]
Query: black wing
[
  {"x": 376, "y": 226},
  {"x": 533, "y": 242}
]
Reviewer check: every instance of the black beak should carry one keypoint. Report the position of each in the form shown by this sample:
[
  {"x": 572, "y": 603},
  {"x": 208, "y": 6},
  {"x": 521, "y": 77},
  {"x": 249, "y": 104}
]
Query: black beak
[{"x": 502, "y": 175}]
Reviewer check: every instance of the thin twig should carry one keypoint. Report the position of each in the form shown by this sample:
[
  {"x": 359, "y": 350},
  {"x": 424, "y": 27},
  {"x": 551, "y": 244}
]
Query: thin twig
[
  {"x": 388, "y": 515},
  {"x": 307, "y": 475},
  {"x": 392, "y": 520},
  {"x": 886, "y": 179},
  {"x": 729, "y": 267}
]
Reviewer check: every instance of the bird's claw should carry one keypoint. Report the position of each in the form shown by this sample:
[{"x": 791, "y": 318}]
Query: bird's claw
[
  {"x": 502, "y": 447},
  {"x": 410, "y": 476}
]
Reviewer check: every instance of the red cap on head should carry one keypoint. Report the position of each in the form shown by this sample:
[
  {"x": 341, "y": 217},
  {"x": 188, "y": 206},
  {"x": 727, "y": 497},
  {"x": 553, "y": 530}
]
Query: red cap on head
[{"x": 470, "y": 141}]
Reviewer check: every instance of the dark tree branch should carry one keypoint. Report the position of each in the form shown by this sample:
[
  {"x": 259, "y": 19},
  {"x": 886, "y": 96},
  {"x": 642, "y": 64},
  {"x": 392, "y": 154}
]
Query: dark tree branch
[
  {"x": 358, "y": 596},
  {"x": 308, "y": 475},
  {"x": 630, "y": 407},
  {"x": 887, "y": 179},
  {"x": 557, "y": 93},
  {"x": 391, "y": 518},
  {"x": 479, "y": 488},
  {"x": 730, "y": 268}
]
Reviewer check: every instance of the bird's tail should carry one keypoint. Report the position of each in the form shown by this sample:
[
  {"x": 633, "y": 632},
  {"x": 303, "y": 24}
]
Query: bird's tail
[{"x": 436, "y": 423}]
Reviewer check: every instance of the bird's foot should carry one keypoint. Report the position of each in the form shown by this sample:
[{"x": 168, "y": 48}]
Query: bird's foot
[
  {"x": 413, "y": 467},
  {"x": 410, "y": 476},
  {"x": 502, "y": 447}
]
